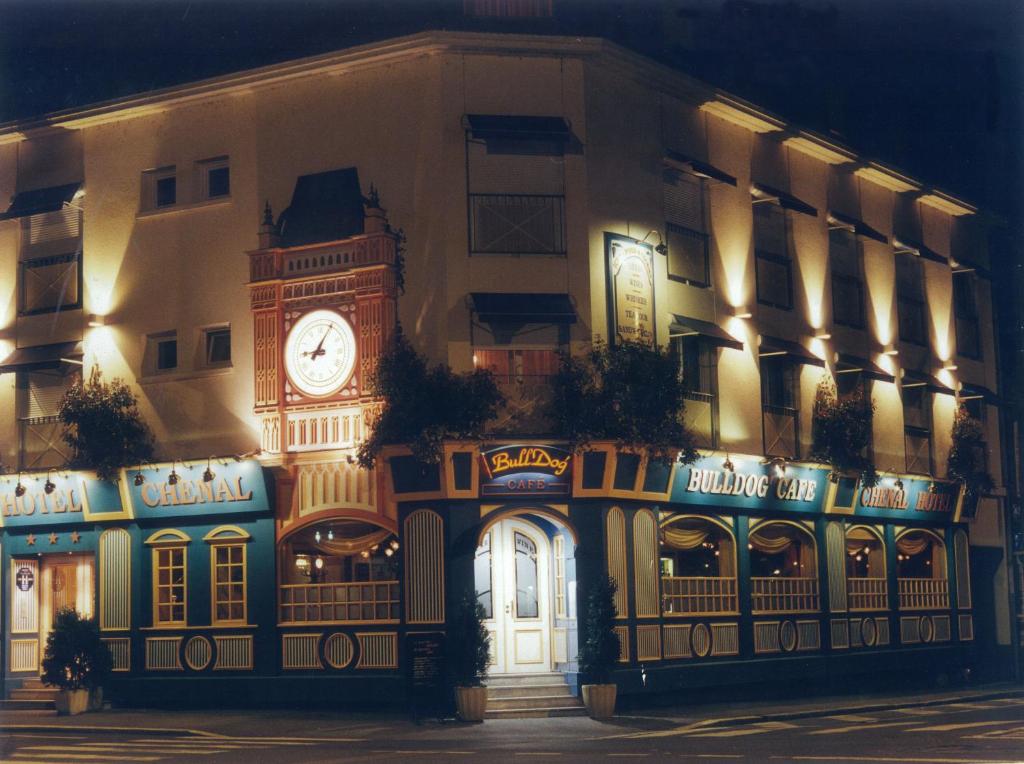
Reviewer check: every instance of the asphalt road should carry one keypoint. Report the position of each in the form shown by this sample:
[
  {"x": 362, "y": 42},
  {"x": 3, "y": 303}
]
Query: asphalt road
[{"x": 981, "y": 732}]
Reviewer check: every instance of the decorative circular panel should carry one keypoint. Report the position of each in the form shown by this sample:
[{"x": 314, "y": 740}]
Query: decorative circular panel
[
  {"x": 198, "y": 653},
  {"x": 927, "y": 628},
  {"x": 787, "y": 636},
  {"x": 338, "y": 650},
  {"x": 868, "y": 632},
  {"x": 700, "y": 638}
]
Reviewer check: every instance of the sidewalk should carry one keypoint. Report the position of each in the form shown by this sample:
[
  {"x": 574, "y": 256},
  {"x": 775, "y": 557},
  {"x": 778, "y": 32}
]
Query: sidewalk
[{"x": 340, "y": 725}]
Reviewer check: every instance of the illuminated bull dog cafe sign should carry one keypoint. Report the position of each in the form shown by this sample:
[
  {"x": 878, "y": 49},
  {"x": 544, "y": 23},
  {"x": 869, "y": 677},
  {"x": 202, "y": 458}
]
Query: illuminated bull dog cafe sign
[{"x": 526, "y": 470}]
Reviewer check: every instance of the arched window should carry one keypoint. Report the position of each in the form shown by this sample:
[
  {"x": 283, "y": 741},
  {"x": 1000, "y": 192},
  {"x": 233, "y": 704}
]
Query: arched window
[
  {"x": 783, "y": 568},
  {"x": 865, "y": 569},
  {"x": 170, "y": 577},
  {"x": 921, "y": 571},
  {"x": 339, "y": 571},
  {"x": 698, "y": 567},
  {"x": 228, "y": 573}
]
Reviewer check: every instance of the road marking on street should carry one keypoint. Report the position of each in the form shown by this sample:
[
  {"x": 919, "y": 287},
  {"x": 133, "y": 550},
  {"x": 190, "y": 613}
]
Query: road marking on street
[
  {"x": 629, "y": 755},
  {"x": 961, "y": 726},
  {"x": 1015, "y": 733},
  {"x": 899, "y": 759},
  {"x": 919, "y": 711},
  {"x": 537, "y": 753},
  {"x": 754, "y": 729},
  {"x": 857, "y": 728},
  {"x": 84, "y": 748},
  {"x": 852, "y": 718},
  {"x": 82, "y": 757},
  {"x": 675, "y": 731}
]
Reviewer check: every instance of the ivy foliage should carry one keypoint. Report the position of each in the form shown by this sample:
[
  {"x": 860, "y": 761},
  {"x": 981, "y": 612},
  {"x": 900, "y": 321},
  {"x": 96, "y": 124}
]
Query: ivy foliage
[
  {"x": 425, "y": 405},
  {"x": 629, "y": 393},
  {"x": 469, "y": 643},
  {"x": 841, "y": 431},
  {"x": 103, "y": 426},
  {"x": 75, "y": 658},
  {"x": 599, "y": 648},
  {"x": 966, "y": 461}
]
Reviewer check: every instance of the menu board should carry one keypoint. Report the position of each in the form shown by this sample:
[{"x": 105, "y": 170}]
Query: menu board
[
  {"x": 426, "y": 673},
  {"x": 631, "y": 289}
]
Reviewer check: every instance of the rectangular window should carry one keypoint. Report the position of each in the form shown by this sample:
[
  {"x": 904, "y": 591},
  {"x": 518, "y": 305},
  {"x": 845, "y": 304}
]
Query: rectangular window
[
  {"x": 166, "y": 191},
  {"x": 161, "y": 353},
  {"x": 771, "y": 249},
  {"x": 39, "y": 394},
  {"x": 516, "y": 200},
  {"x": 910, "y": 304},
  {"x": 965, "y": 306},
  {"x": 169, "y": 586},
  {"x": 229, "y": 583},
  {"x": 847, "y": 281},
  {"x": 780, "y": 403},
  {"x": 50, "y": 262},
  {"x": 560, "y": 609},
  {"x": 917, "y": 428},
  {"x": 698, "y": 369},
  {"x": 214, "y": 176},
  {"x": 159, "y": 188},
  {"x": 686, "y": 233},
  {"x": 517, "y": 366},
  {"x": 217, "y": 342}
]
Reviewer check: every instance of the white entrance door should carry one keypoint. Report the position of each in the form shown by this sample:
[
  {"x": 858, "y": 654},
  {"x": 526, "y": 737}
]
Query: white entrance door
[
  {"x": 520, "y": 600},
  {"x": 67, "y": 581}
]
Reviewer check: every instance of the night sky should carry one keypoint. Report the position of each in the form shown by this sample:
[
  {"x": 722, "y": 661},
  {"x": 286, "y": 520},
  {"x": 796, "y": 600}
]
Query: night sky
[{"x": 935, "y": 87}]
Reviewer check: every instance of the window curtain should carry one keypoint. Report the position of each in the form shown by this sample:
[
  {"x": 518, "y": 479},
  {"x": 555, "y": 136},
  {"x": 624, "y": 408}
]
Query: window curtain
[
  {"x": 684, "y": 538},
  {"x": 782, "y": 539},
  {"x": 338, "y": 547}
]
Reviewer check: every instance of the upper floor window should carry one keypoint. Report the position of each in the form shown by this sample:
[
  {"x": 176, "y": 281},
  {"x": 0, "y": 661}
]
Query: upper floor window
[
  {"x": 847, "y": 279},
  {"x": 516, "y": 181},
  {"x": 917, "y": 428},
  {"x": 698, "y": 370},
  {"x": 39, "y": 394},
  {"x": 965, "y": 307},
  {"x": 160, "y": 188},
  {"x": 161, "y": 353},
  {"x": 910, "y": 302},
  {"x": 771, "y": 250},
  {"x": 170, "y": 577},
  {"x": 214, "y": 177},
  {"x": 217, "y": 344},
  {"x": 50, "y": 262},
  {"x": 780, "y": 401},
  {"x": 686, "y": 232}
]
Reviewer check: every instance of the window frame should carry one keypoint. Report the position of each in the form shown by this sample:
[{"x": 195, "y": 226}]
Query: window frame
[
  {"x": 783, "y": 259},
  {"x": 967, "y": 314},
  {"x": 158, "y": 550},
  {"x": 672, "y": 177},
  {"x": 704, "y": 350},
  {"x": 152, "y": 358},
  {"x": 917, "y": 302},
  {"x": 52, "y": 256},
  {"x": 915, "y": 430},
  {"x": 206, "y": 166},
  {"x": 227, "y": 544},
  {"x": 209, "y": 334},
  {"x": 844, "y": 278}
]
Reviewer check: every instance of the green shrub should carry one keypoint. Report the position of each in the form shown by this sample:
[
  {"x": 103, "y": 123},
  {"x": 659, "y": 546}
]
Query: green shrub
[
  {"x": 75, "y": 657},
  {"x": 599, "y": 645},
  {"x": 469, "y": 643},
  {"x": 841, "y": 431}
]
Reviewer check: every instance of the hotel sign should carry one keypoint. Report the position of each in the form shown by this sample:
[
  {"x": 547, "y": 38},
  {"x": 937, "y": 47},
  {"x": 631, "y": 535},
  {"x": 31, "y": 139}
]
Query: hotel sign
[
  {"x": 919, "y": 499},
  {"x": 72, "y": 498},
  {"x": 631, "y": 289},
  {"x": 235, "y": 487},
  {"x": 526, "y": 470}
]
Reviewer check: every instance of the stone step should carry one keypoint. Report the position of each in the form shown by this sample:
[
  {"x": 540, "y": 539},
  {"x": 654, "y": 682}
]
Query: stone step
[
  {"x": 27, "y": 705},
  {"x": 535, "y": 702},
  {"x": 528, "y": 690},
  {"x": 537, "y": 713},
  {"x": 34, "y": 684},
  {"x": 511, "y": 680},
  {"x": 44, "y": 693}
]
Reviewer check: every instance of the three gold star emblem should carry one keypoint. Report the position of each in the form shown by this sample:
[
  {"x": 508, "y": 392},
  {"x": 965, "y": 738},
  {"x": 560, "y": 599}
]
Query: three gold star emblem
[{"x": 53, "y": 538}]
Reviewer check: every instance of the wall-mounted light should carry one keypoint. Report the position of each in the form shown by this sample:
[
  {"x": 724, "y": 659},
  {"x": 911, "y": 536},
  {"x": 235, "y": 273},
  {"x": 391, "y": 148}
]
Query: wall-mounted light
[
  {"x": 949, "y": 366},
  {"x": 661, "y": 249},
  {"x": 742, "y": 311},
  {"x": 330, "y": 534},
  {"x": 139, "y": 478},
  {"x": 19, "y": 489},
  {"x": 172, "y": 479},
  {"x": 49, "y": 485},
  {"x": 316, "y": 537},
  {"x": 822, "y": 335},
  {"x": 727, "y": 465},
  {"x": 208, "y": 474},
  {"x": 891, "y": 350},
  {"x": 898, "y": 484},
  {"x": 96, "y": 320}
]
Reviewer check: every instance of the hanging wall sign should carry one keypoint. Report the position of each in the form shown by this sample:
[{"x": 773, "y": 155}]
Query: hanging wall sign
[
  {"x": 234, "y": 487},
  {"x": 526, "y": 470},
  {"x": 55, "y": 498},
  {"x": 630, "y": 289},
  {"x": 749, "y": 485},
  {"x": 917, "y": 499},
  {"x": 24, "y": 579}
]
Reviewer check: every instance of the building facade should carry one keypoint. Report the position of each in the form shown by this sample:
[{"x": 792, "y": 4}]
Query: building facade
[{"x": 241, "y": 250}]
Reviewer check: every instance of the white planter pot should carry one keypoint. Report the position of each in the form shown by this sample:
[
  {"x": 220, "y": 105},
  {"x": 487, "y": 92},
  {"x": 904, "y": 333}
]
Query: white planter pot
[
  {"x": 72, "y": 702},
  {"x": 471, "y": 702},
  {"x": 600, "y": 700}
]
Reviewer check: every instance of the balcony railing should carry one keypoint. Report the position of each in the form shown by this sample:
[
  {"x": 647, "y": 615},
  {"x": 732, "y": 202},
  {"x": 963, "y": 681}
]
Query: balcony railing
[
  {"x": 867, "y": 594},
  {"x": 517, "y": 224},
  {"x": 700, "y": 418},
  {"x": 42, "y": 446},
  {"x": 918, "y": 446},
  {"x": 780, "y": 431},
  {"x": 363, "y": 602},
  {"x": 784, "y": 595},
  {"x": 923, "y": 593},
  {"x": 693, "y": 595}
]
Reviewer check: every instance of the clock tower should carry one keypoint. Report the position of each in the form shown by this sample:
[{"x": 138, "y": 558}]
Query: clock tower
[{"x": 324, "y": 300}]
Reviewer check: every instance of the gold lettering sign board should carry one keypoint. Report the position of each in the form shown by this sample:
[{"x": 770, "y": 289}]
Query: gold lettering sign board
[{"x": 631, "y": 280}]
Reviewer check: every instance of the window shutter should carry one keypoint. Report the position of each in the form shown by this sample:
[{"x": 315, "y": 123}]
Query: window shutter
[
  {"x": 844, "y": 253},
  {"x": 684, "y": 203},
  {"x": 43, "y": 394},
  {"x": 770, "y": 229}
]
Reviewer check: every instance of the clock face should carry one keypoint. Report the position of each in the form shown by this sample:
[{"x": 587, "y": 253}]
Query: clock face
[{"x": 320, "y": 353}]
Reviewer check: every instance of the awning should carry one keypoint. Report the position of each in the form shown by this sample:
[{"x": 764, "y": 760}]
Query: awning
[
  {"x": 41, "y": 200},
  {"x": 849, "y": 363},
  {"x": 679, "y": 161},
  {"x": 797, "y": 353},
  {"x": 859, "y": 227},
  {"x": 684, "y": 326},
  {"x": 913, "y": 378},
  {"x": 486, "y": 127},
  {"x": 508, "y": 307},
  {"x": 909, "y": 246},
  {"x": 42, "y": 357},
  {"x": 784, "y": 200},
  {"x": 970, "y": 392}
]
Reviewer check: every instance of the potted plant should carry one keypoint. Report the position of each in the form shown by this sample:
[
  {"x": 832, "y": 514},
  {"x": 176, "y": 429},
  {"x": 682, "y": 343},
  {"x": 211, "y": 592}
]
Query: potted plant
[
  {"x": 966, "y": 461},
  {"x": 469, "y": 656},
  {"x": 76, "y": 660},
  {"x": 599, "y": 649},
  {"x": 841, "y": 432}
]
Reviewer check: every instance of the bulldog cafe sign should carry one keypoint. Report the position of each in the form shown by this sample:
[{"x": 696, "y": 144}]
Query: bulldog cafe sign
[{"x": 526, "y": 470}]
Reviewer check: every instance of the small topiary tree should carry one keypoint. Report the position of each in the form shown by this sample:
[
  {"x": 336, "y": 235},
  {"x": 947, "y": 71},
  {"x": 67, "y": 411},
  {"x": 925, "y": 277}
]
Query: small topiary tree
[
  {"x": 423, "y": 406},
  {"x": 103, "y": 426},
  {"x": 629, "y": 393},
  {"x": 841, "y": 431},
  {"x": 469, "y": 644},
  {"x": 75, "y": 658},
  {"x": 966, "y": 461},
  {"x": 599, "y": 646}
]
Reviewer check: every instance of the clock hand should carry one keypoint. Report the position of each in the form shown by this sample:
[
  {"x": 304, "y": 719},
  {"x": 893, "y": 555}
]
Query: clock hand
[{"x": 320, "y": 347}]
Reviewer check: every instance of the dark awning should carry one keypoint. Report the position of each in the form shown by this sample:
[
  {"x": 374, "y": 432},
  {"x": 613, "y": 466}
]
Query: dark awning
[
  {"x": 487, "y": 127},
  {"x": 42, "y": 357},
  {"x": 508, "y": 307},
  {"x": 326, "y": 206},
  {"x": 848, "y": 363},
  {"x": 786, "y": 201},
  {"x": 774, "y": 346},
  {"x": 913, "y": 378},
  {"x": 684, "y": 326},
  {"x": 859, "y": 227},
  {"x": 970, "y": 391},
  {"x": 41, "y": 200},
  {"x": 686, "y": 163},
  {"x": 905, "y": 246}
]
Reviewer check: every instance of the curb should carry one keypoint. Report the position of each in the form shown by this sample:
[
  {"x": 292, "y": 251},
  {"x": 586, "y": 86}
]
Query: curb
[{"x": 71, "y": 729}]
